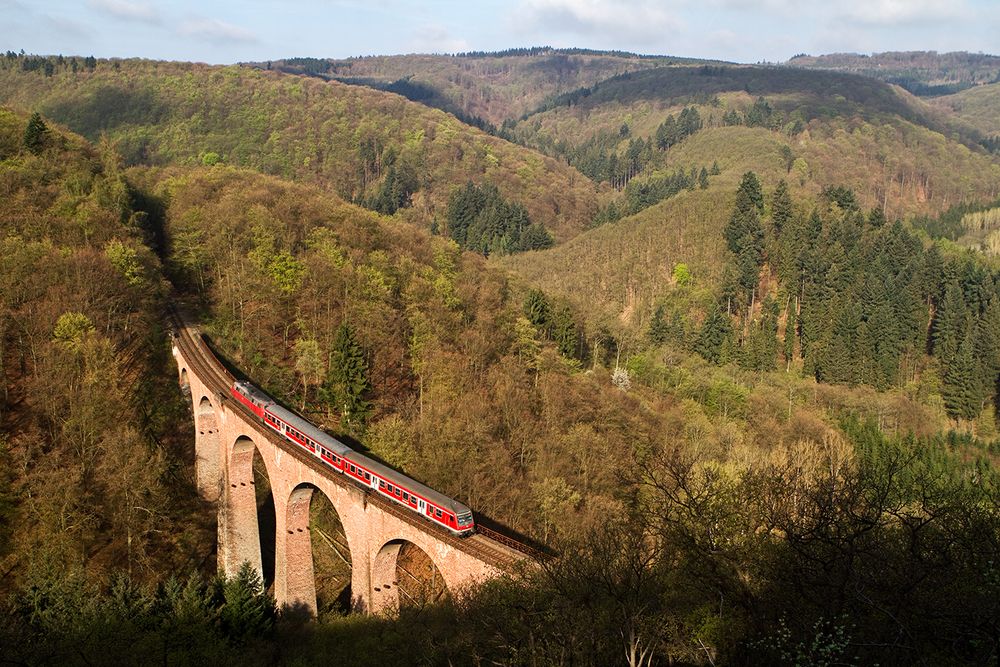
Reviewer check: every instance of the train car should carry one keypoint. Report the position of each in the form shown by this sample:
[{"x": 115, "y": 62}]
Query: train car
[{"x": 411, "y": 494}]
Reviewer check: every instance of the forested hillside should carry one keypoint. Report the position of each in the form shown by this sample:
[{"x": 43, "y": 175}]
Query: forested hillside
[
  {"x": 375, "y": 148},
  {"x": 749, "y": 399},
  {"x": 925, "y": 73},
  {"x": 93, "y": 431},
  {"x": 480, "y": 87},
  {"x": 828, "y": 129},
  {"x": 979, "y": 107},
  {"x": 501, "y": 395}
]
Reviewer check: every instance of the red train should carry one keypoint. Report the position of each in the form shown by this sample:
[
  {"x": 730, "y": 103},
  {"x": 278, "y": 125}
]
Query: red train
[{"x": 381, "y": 479}]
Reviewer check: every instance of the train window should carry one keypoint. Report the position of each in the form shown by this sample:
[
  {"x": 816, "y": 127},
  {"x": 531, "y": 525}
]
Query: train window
[
  {"x": 398, "y": 492},
  {"x": 352, "y": 468},
  {"x": 437, "y": 513},
  {"x": 406, "y": 496},
  {"x": 381, "y": 483},
  {"x": 368, "y": 477}
]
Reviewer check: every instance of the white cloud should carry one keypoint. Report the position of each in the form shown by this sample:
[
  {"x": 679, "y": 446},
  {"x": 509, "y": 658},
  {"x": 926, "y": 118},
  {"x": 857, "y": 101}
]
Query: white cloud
[
  {"x": 895, "y": 12},
  {"x": 639, "y": 21},
  {"x": 216, "y": 30},
  {"x": 128, "y": 10},
  {"x": 436, "y": 39}
]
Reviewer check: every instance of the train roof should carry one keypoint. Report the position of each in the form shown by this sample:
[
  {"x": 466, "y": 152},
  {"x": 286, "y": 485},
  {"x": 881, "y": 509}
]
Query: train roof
[
  {"x": 342, "y": 450},
  {"x": 305, "y": 428},
  {"x": 412, "y": 485},
  {"x": 337, "y": 447}
]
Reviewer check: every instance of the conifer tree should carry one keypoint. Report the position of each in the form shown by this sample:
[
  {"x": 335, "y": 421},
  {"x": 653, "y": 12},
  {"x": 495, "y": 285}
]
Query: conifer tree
[
  {"x": 34, "y": 133},
  {"x": 791, "y": 322},
  {"x": 949, "y": 323},
  {"x": 564, "y": 332},
  {"x": 658, "y": 326},
  {"x": 347, "y": 385},
  {"x": 781, "y": 208},
  {"x": 987, "y": 349},
  {"x": 537, "y": 310},
  {"x": 714, "y": 335},
  {"x": 960, "y": 386}
]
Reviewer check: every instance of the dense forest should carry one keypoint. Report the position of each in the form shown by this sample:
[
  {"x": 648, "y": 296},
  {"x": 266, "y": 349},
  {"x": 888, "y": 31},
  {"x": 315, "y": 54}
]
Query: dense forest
[
  {"x": 370, "y": 147},
  {"x": 925, "y": 73},
  {"x": 716, "y": 364}
]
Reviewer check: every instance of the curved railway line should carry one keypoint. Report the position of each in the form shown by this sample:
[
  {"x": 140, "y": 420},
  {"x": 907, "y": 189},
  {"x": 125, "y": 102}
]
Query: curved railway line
[{"x": 497, "y": 549}]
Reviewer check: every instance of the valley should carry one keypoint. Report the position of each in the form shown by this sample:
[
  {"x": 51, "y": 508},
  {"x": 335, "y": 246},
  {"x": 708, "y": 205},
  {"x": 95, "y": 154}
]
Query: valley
[{"x": 724, "y": 339}]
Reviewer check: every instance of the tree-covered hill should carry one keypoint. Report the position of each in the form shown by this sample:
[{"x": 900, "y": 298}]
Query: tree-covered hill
[
  {"x": 668, "y": 481},
  {"x": 93, "y": 435},
  {"x": 371, "y": 147},
  {"x": 490, "y": 87},
  {"x": 979, "y": 107},
  {"x": 924, "y": 73},
  {"x": 831, "y": 128}
]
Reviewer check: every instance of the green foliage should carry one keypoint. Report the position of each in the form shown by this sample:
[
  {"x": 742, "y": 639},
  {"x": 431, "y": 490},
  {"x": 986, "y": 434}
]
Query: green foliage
[
  {"x": 35, "y": 133},
  {"x": 715, "y": 337},
  {"x": 126, "y": 260},
  {"x": 370, "y": 147},
  {"x": 480, "y": 219},
  {"x": 347, "y": 385},
  {"x": 248, "y": 611},
  {"x": 745, "y": 236},
  {"x": 681, "y": 274},
  {"x": 537, "y": 309},
  {"x": 72, "y": 329}
]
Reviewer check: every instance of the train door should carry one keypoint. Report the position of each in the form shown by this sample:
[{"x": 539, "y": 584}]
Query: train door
[{"x": 421, "y": 506}]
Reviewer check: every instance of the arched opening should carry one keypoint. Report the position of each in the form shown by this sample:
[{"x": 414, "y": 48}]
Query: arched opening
[
  {"x": 403, "y": 575},
  {"x": 250, "y": 513},
  {"x": 207, "y": 451},
  {"x": 317, "y": 555},
  {"x": 185, "y": 384},
  {"x": 331, "y": 557}
]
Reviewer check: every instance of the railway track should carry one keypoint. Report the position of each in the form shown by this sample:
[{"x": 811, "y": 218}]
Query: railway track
[{"x": 501, "y": 551}]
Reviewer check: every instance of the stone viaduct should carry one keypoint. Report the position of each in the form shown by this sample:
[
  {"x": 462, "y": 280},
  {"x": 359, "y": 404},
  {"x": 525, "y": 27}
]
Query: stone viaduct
[{"x": 226, "y": 436}]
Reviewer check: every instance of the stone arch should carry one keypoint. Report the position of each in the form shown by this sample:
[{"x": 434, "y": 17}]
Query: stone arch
[
  {"x": 306, "y": 540},
  {"x": 207, "y": 451},
  {"x": 395, "y": 583},
  {"x": 185, "y": 383},
  {"x": 243, "y": 523}
]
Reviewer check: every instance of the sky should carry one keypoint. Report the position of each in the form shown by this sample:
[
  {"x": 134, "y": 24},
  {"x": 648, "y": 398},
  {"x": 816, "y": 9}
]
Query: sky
[{"x": 229, "y": 31}]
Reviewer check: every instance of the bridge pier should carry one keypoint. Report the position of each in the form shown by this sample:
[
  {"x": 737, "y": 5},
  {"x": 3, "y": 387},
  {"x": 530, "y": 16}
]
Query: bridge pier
[
  {"x": 242, "y": 534},
  {"x": 294, "y": 578}
]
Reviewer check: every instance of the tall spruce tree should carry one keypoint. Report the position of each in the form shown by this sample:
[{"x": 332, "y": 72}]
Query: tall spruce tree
[
  {"x": 658, "y": 326},
  {"x": 34, "y": 133},
  {"x": 960, "y": 384},
  {"x": 347, "y": 385},
  {"x": 714, "y": 335},
  {"x": 781, "y": 208}
]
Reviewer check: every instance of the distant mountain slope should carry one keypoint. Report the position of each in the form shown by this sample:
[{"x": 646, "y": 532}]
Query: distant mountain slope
[
  {"x": 895, "y": 151},
  {"x": 346, "y": 138},
  {"x": 920, "y": 72},
  {"x": 979, "y": 107},
  {"x": 627, "y": 265},
  {"x": 493, "y": 87}
]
